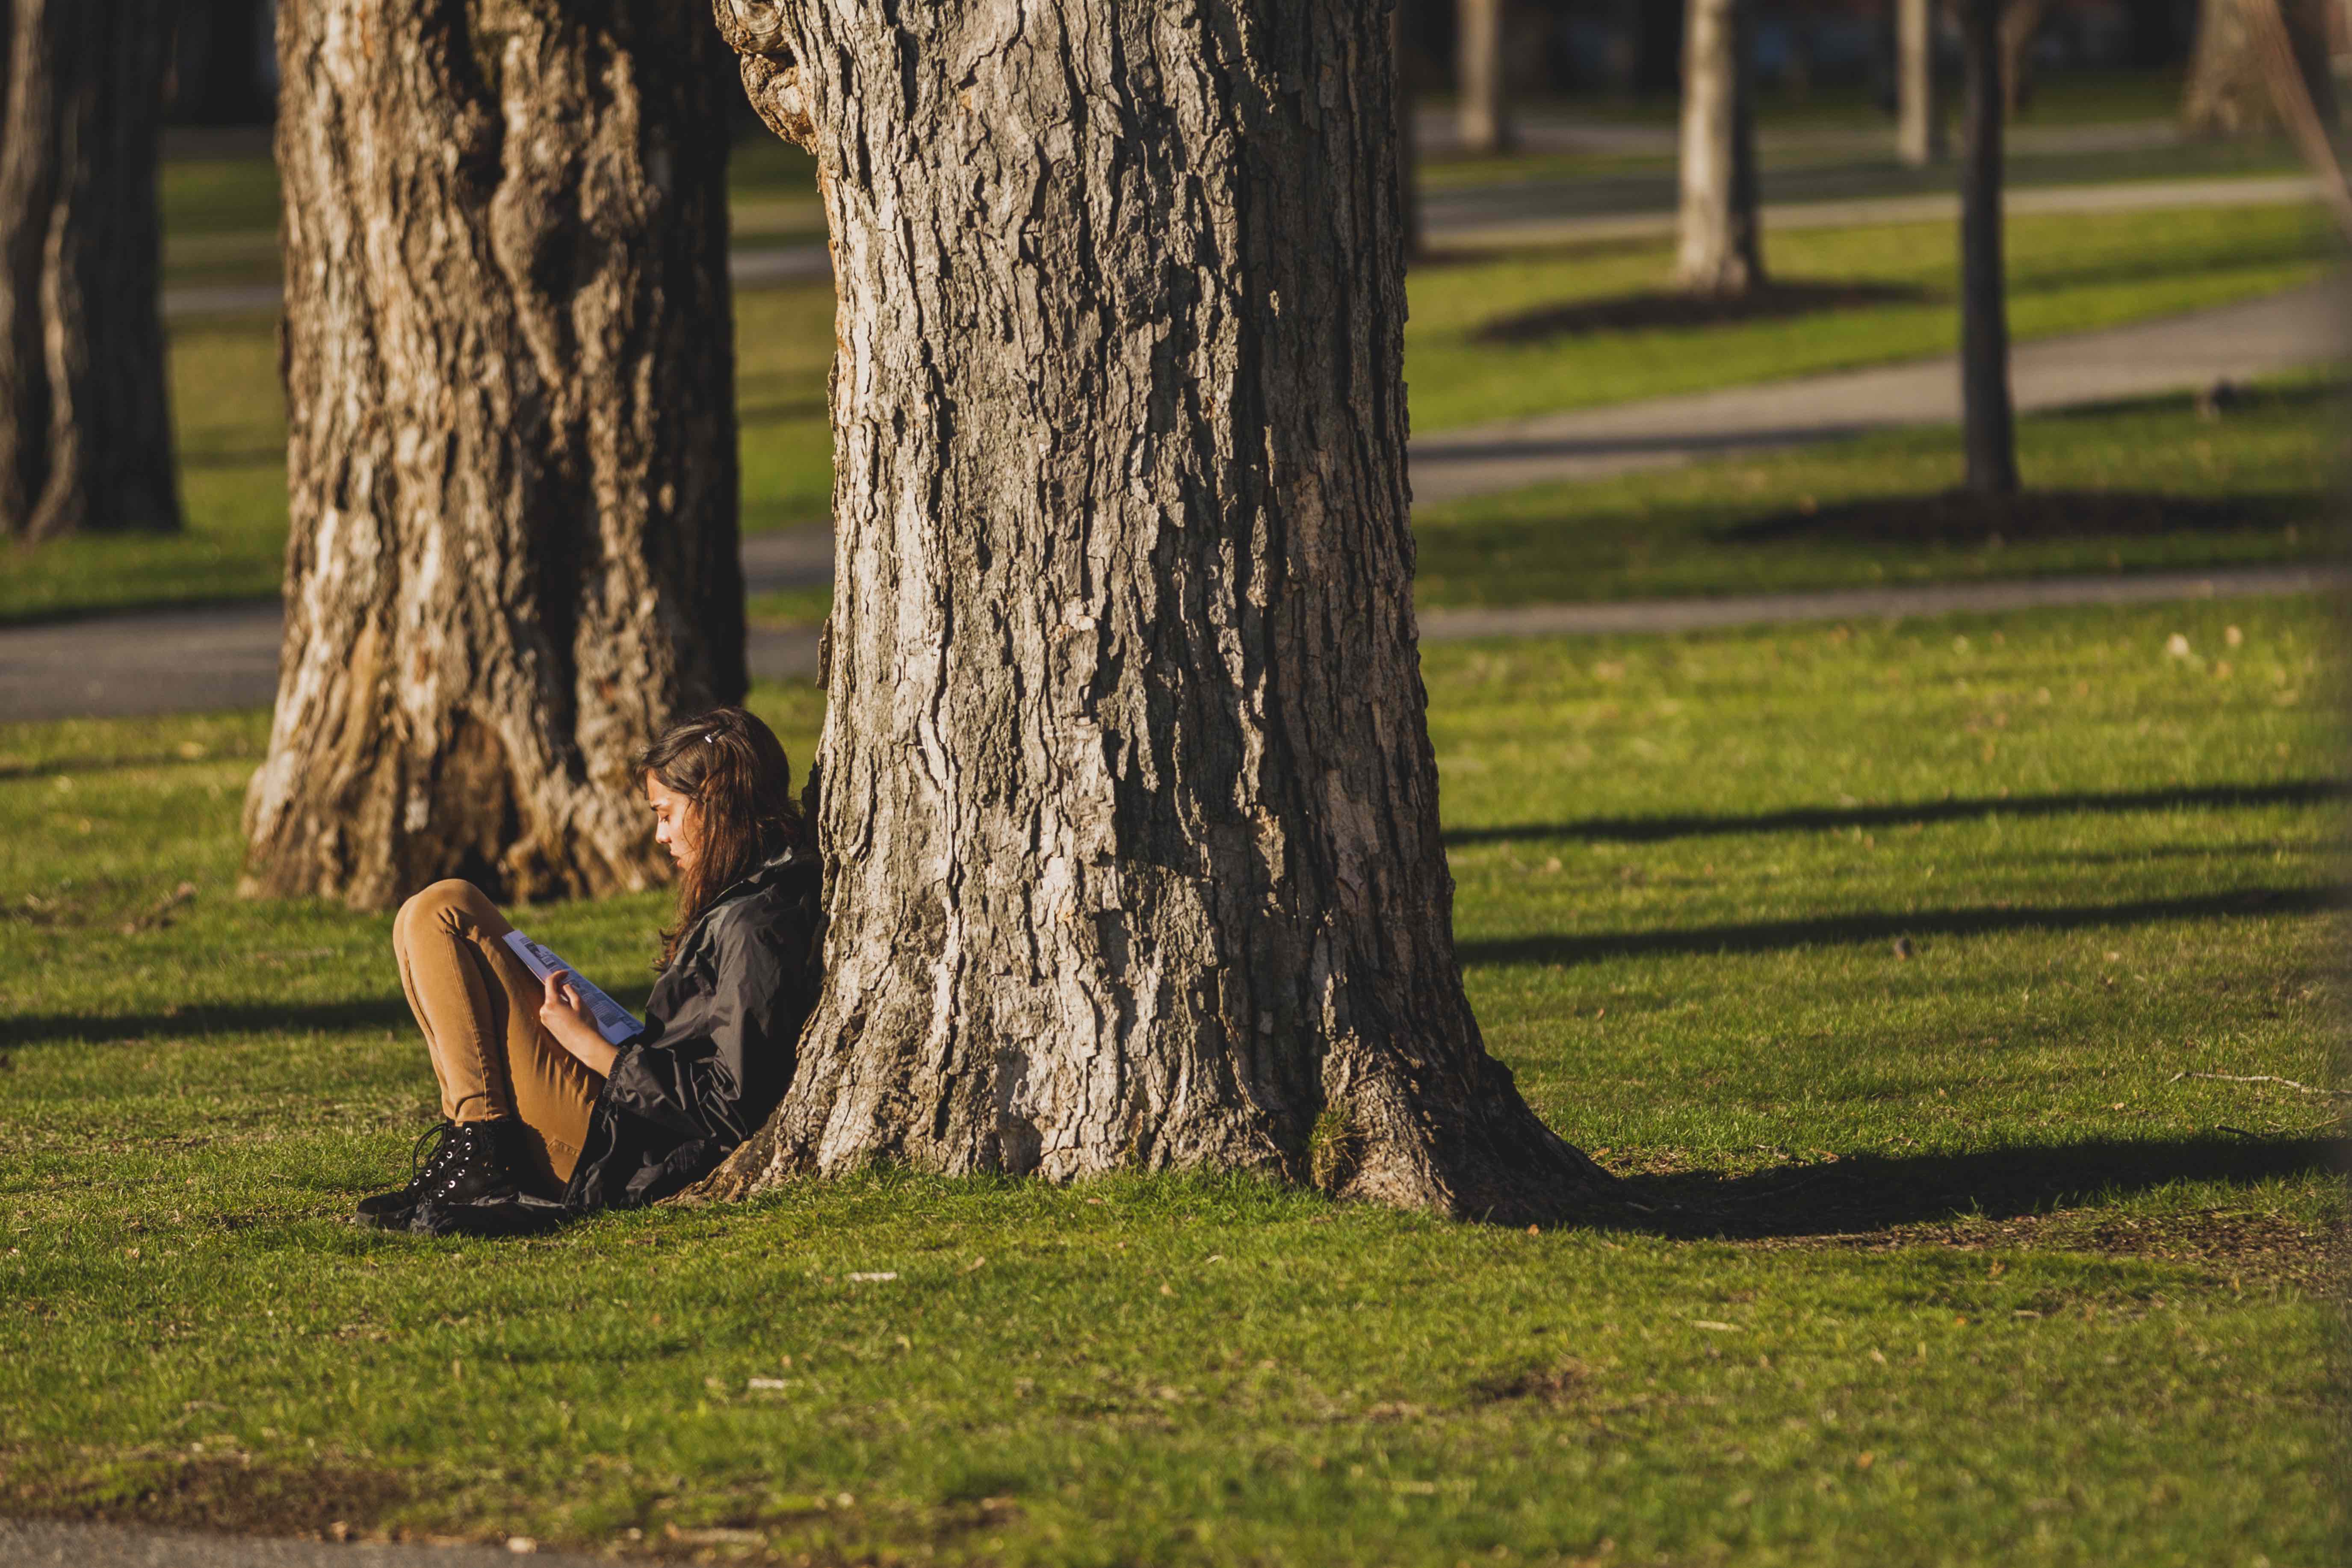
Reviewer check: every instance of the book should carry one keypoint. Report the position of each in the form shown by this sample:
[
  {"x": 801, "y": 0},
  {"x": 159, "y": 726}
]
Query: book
[{"x": 615, "y": 1022}]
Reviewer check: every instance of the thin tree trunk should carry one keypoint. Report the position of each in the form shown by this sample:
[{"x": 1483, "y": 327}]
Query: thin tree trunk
[
  {"x": 1128, "y": 802},
  {"x": 511, "y": 440},
  {"x": 84, "y": 420},
  {"x": 1920, "y": 136},
  {"x": 2021, "y": 25},
  {"x": 2229, "y": 91},
  {"x": 1722, "y": 238},
  {"x": 1485, "y": 110},
  {"x": 1991, "y": 424}
]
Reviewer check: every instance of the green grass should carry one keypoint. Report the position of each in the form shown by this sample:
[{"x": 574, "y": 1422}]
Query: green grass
[
  {"x": 2268, "y": 470},
  {"x": 1943, "y": 1263}
]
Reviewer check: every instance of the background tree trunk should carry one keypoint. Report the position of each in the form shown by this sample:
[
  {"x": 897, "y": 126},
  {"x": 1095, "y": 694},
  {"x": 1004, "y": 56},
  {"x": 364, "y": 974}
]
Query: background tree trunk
[
  {"x": 1722, "y": 231},
  {"x": 1485, "y": 112},
  {"x": 2021, "y": 27},
  {"x": 2228, "y": 91},
  {"x": 1128, "y": 802},
  {"x": 84, "y": 421},
  {"x": 511, "y": 439},
  {"x": 1920, "y": 135},
  {"x": 1990, "y": 424}
]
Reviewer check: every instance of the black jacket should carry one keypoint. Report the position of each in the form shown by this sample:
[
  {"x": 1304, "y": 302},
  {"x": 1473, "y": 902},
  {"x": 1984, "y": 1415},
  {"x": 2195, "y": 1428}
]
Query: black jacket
[{"x": 717, "y": 1051}]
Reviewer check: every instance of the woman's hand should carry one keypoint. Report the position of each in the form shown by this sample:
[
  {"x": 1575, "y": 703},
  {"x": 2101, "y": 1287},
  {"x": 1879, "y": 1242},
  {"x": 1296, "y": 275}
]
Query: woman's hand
[{"x": 562, "y": 1015}]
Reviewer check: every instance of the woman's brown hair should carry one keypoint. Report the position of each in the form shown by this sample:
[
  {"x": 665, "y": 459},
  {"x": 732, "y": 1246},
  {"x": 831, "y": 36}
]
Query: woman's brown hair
[{"x": 733, "y": 772}]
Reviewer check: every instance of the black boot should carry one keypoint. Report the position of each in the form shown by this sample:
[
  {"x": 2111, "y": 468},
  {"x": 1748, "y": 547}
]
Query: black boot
[
  {"x": 483, "y": 1157},
  {"x": 391, "y": 1210}
]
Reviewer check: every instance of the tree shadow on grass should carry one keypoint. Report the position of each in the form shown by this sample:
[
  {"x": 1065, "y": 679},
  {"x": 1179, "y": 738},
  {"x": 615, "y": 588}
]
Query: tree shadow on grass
[
  {"x": 206, "y": 1019},
  {"x": 1972, "y": 809},
  {"x": 1773, "y": 936},
  {"x": 1671, "y": 310},
  {"x": 1862, "y": 1193}
]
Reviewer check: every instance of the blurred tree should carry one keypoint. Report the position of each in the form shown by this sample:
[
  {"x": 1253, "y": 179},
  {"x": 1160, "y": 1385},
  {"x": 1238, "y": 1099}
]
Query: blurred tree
[
  {"x": 1484, "y": 110},
  {"x": 1128, "y": 807},
  {"x": 2229, "y": 91},
  {"x": 511, "y": 448},
  {"x": 1989, "y": 417},
  {"x": 84, "y": 421},
  {"x": 1721, "y": 248},
  {"x": 2020, "y": 27},
  {"x": 218, "y": 70},
  {"x": 1920, "y": 136}
]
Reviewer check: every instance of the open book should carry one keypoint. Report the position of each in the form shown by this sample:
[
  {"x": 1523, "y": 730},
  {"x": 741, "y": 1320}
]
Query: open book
[{"x": 613, "y": 1021}]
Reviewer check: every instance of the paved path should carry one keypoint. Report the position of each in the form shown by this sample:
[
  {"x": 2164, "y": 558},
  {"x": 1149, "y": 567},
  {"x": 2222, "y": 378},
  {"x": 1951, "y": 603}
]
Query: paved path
[
  {"x": 31, "y": 1543},
  {"x": 1549, "y": 212}
]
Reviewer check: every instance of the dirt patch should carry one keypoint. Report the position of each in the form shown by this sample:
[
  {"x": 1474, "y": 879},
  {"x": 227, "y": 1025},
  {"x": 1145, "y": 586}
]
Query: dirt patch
[
  {"x": 1667, "y": 310},
  {"x": 2248, "y": 1246},
  {"x": 1557, "y": 1384},
  {"x": 1960, "y": 520},
  {"x": 230, "y": 1494}
]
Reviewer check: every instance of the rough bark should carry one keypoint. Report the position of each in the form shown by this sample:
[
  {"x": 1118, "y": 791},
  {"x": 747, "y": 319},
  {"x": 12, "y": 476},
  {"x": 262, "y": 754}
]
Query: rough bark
[
  {"x": 1919, "y": 133},
  {"x": 1408, "y": 139},
  {"x": 511, "y": 439},
  {"x": 1988, "y": 418},
  {"x": 1722, "y": 232},
  {"x": 1128, "y": 802},
  {"x": 1484, "y": 113},
  {"x": 84, "y": 420},
  {"x": 2229, "y": 91}
]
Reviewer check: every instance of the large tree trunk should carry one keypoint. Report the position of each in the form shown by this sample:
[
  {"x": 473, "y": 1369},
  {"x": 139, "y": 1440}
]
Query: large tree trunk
[
  {"x": 1128, "y": 802},
  {"x": 85, "y": 423},
  {"x": 1919, "y": 132},
  {"x": 2229, "y": 91},
  {"x": 1484, "y": 115},
  {"x": 1988, "y": 418},
  {"x": 1722, "y": 230},
  {"x": 511, "y": 439}
]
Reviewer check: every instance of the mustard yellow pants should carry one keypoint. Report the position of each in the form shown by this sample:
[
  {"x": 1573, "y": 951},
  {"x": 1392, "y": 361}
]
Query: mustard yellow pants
[{"x": 478, "y": 1007}]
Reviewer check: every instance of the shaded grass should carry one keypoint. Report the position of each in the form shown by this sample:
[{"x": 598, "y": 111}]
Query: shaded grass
[{"x": 1940, "y": 1262}]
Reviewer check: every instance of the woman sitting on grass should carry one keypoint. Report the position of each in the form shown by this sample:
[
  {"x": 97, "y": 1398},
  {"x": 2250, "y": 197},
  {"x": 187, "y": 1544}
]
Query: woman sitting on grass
[{"x": 534, "y": 1098}]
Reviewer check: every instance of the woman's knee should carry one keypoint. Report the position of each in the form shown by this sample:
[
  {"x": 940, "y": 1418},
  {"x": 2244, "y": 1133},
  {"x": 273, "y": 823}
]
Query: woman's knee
[{"x": 440, "y": 905}]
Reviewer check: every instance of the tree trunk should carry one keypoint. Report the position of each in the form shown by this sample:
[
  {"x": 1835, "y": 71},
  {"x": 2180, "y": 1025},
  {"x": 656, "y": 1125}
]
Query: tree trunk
[
  {"x": 510, "y": 444},
  {"x": 2230, "y": 92},
  {"x": 2021, "y": 25},
  {"x": 1919, "y": 137},
  {"x": 1485, "y": 116},
  {"x": 1989, "y": 422},
  {"x": 84, "y": 422},
  {"x": 1128, "y": 802},
  {"x": 1722, "y": 247}
]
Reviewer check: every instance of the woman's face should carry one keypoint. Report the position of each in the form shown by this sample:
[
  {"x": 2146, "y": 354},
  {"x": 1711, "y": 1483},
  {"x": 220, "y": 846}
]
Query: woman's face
[{"x": 676, "y": 827}]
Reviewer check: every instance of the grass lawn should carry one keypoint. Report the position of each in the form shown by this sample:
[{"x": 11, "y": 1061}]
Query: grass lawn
[
  {"x": 1941, "y": 1260},
  {"x": 2066, "y": 275}
]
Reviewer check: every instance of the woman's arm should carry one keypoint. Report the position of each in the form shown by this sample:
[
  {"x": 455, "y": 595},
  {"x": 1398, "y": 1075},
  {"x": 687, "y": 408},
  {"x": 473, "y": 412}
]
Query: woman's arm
[{"x": 561, "y": 1013}]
